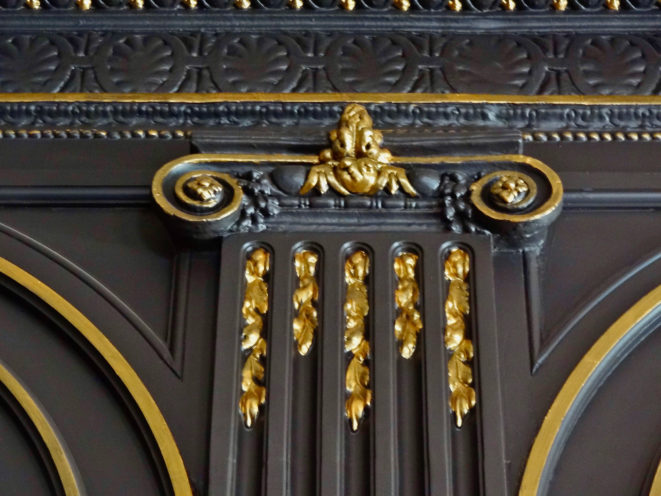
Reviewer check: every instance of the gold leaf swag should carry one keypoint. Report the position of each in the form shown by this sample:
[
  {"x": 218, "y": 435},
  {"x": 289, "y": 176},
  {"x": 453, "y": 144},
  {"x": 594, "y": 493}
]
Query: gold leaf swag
[
  {"x": 356, "y": 308},
  {"x": 460, "y": 375},
  {"x": 355, "y": 163},
  {"x": 255, "y": 306},
  {"x": 408, "y": 322},
  {"x": 305, "y": 296}
]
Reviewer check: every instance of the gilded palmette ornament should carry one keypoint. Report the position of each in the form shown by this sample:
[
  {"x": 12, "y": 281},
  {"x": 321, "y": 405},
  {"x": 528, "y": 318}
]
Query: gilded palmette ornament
[
  {"x": 457, "y": 307},
  {"x": 84, "y": 4},
  {"x": 305, "y": 297},
  {"x": 356, "y": 308},
  {"x": 255, "y": 306},
  {"x": 356, "y": 163},
  {"x": 33, "y": 4},
  {"x": 408, "y": 322}
]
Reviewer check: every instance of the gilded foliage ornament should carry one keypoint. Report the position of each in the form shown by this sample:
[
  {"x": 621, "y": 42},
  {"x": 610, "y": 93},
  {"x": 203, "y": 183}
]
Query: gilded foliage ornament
[
  {"x": 457, "y": 306},
  {"x": 255, "y": 306},
  {"x": 356, "y": 163},
  {"x": 408, "y": 322},
  {"x": 305, "y": 297},
  {"x": 356, "y": 308}
]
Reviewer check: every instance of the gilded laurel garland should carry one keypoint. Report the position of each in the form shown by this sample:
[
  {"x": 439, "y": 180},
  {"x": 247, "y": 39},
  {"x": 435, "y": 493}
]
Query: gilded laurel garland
[
  {"x": 356, "y": 308},
  {"x": 356, "y": 163},
  {"x": 408, "y": 322},
  {"x": 305, "y": 297},
  {"x": 457, "y": 307},
  {"x": 255, "y": 306}
]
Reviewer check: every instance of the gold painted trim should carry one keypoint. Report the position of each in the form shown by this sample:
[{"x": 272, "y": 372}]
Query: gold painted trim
[
  {"x": 47, "y": 432},
  {"x": 140, "y": 394},
  {"x": 420, "y": 98},
  {"x": 655, "y": 489},
  {"x": 580, "y": 376}
]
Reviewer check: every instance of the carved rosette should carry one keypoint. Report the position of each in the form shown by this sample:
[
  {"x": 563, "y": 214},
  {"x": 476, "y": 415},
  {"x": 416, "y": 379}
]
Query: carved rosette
[{"x": 201, "y": 203}]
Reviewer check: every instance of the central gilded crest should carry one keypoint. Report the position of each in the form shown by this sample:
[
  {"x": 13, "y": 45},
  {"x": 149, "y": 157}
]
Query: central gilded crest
[{"x": 355, "y": 163}]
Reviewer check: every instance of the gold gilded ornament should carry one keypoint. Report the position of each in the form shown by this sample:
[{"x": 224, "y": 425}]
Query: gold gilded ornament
[
  {"x": 255, "y": 306},
  {"x": 356, "y": 308},
  {"x": 356, "y": 163},
  {"x": 457, "y": 307},
  {"x": 408, "y": 322},
  {"x": 305, "y": 296}
]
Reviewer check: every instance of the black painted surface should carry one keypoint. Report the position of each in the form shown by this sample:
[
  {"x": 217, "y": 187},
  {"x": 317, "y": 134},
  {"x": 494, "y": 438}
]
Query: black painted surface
[{"x": 76, "y": 211}]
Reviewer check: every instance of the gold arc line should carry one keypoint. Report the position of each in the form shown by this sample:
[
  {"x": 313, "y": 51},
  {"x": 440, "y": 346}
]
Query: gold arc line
[
  {"x": 148, "y": 407},
  {"x": 655, "y": 489},
  {"x": 419, "y": 98},
  {"x": 552, "y": 203},
  {"x": 564, "y": 401},
  {"x": 47, "y": 432}
]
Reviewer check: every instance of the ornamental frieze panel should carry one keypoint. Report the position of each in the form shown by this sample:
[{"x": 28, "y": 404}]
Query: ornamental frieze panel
[{"x": 326, "y": 62}]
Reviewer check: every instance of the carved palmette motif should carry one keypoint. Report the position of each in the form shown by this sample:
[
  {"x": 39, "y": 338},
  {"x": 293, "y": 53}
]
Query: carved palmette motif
[
  {"x": 457, "y": 307},
  {"x": 255, "y": 306},
  {"x": 356, "y": 309}
]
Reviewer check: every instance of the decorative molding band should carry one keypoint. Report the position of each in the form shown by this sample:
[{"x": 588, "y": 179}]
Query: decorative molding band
[
  {"x": 254, "y": 309},
  {"x": 158, "y": 427},
  {"x": 576, "y": 114},
  {"x": 356, "y": 309},
  {"x": 65, "y": 466},
  {"x": 87, "y": 133},
  {"x": 408, "y": 323},
  {"x": 452, "y": 7},
  {"x": 305, "y": 298},
  {"x": 333, "y": 61},
  {"x": 457, "y": 307},
  {"x": 606, "y": 353}
]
